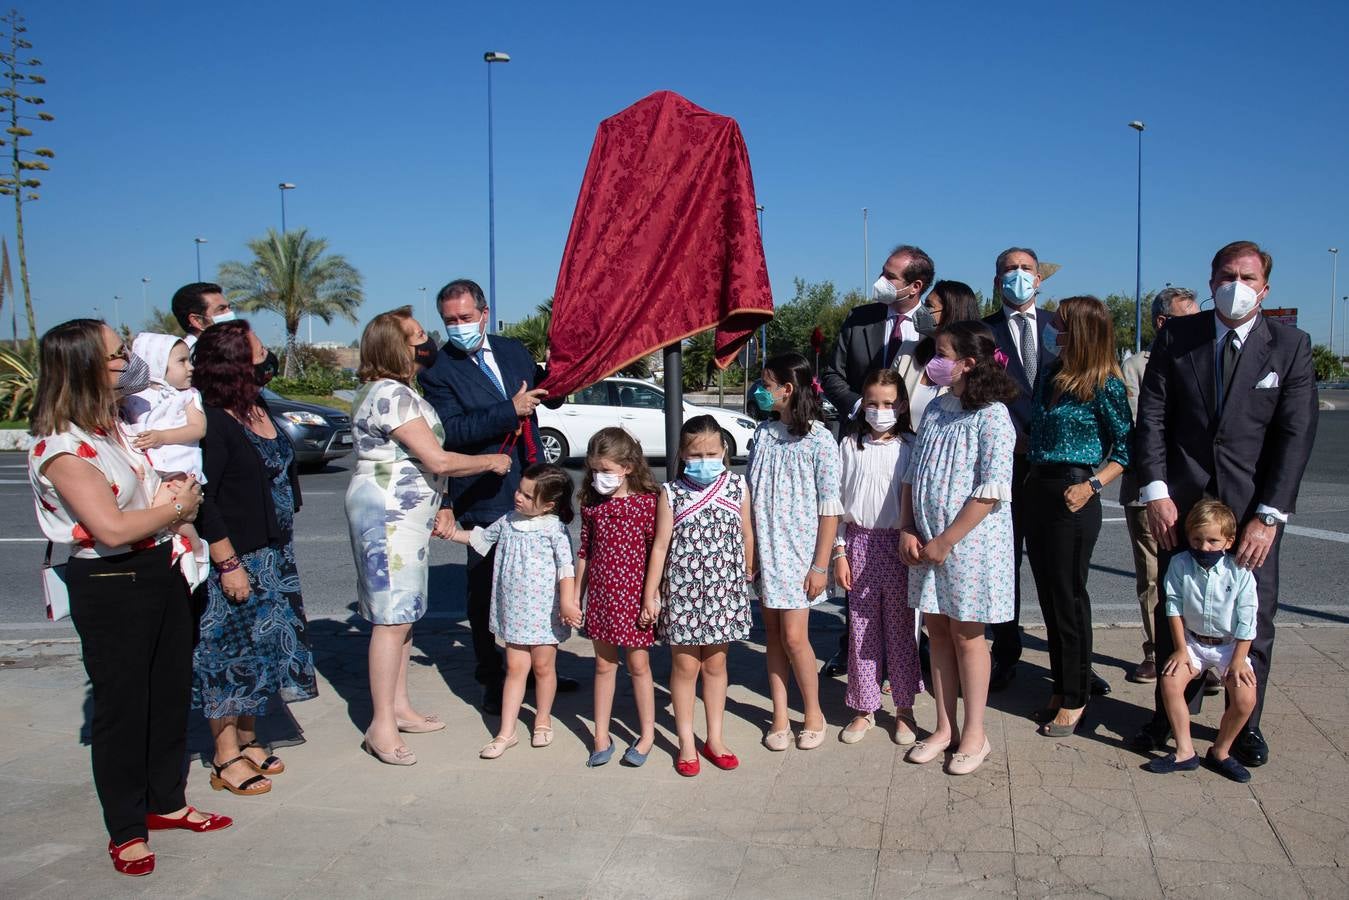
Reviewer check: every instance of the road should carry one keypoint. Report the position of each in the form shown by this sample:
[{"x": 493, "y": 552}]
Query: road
[{"x": 1315, "y": 579}]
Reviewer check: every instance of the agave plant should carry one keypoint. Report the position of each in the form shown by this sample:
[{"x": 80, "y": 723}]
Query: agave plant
[{"x": 18, "y": 384}]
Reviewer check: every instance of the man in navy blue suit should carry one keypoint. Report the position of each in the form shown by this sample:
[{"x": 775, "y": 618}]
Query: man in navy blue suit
[{"x": 482, "y": 387}]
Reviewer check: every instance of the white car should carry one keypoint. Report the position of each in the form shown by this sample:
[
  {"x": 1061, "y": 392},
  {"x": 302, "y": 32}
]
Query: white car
[{"x": 636, "y": 406}]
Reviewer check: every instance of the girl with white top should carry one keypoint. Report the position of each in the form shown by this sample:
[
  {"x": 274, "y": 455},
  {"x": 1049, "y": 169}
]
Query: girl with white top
[
  {"x": 793, "y": 479},
  {"x": 881, "y": 634}
]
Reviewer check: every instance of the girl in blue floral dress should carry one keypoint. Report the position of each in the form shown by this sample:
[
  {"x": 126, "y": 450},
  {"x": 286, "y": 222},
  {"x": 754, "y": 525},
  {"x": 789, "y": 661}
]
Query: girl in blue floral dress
[{"x": 534, "y": 603}]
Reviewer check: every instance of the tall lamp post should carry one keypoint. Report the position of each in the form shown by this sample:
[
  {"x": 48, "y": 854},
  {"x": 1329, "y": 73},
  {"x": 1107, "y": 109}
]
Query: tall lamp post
[
  {"x": 283, "y": 187},
  {"x": 199, "y": 241},
  {"x": 866, "y": 252},
  {"x": 425, "y": 314},
  {"x": 145, "y": 298},
  {"x": 763, "y": 330},
  {"x": 1138, "y": 246},
  {"x": 491, "y": 56},
  {"x": 1334, "y": 266},
  {"x": 117, "y": 310}
]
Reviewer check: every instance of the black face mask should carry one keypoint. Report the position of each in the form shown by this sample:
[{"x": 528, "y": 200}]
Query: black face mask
[
  {"x": 266, "y": 370},
  {"x": 1207, "y": 558},
  {"x": 425, "y": 352}
]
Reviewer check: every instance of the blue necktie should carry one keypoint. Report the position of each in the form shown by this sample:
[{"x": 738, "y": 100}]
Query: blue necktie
[{"x": 491, "y": 376}]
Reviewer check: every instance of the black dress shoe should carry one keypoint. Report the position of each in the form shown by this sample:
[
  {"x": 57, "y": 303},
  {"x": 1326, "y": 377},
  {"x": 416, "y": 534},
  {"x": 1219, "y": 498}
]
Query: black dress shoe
[
  {"x": 1213, "y": 685},
  {"x": 567, "y": 685},
  {"x": 1150, "y": 739},
  {"x": 1002, "y": 675},
  {"x": 1099, "y": 686},
  {"x": 1250, "y": 748},
  {"x": 491, "y": 699},
  {"x": 837, "y": 665}
]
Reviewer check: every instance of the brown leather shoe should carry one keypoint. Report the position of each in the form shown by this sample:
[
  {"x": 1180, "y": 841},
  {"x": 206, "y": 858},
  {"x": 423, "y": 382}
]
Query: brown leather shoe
[{"x": 1145, "y": 673}]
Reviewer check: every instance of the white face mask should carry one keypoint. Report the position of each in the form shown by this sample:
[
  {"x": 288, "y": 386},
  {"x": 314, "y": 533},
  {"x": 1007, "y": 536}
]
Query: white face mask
[
  {"x": 881, "y": 419},
  {"x": 226, "y": 316},
  {"x": 883, "y": 291},
  {"x": 1235, "y": 299},
  {"x": 606, "y": 482}
]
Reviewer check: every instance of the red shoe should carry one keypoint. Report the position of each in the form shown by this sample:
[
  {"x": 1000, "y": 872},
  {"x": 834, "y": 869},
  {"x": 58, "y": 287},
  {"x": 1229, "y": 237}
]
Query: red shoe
[
  {"x": 687, "y": 767},
  {"x": 726, "y": 761},
  {"x": 143, "y": 866},
  {"x": 213, "y": 822}
]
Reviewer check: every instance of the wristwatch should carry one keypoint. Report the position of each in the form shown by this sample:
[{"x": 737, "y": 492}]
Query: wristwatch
[
  {"x": 1269, "y": 519},
  {"x": 1095, "y": 484}
]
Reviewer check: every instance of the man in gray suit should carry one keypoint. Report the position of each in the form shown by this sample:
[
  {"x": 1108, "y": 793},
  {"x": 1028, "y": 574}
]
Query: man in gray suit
[
  {"x": 1227, "y": 409},
  {"x": 1169, "y": 303}
]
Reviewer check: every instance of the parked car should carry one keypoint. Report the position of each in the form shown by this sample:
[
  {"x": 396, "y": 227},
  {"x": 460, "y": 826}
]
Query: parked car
[
  {"x": 635, "y": 405},
  {"x": 317, "y": 433}
]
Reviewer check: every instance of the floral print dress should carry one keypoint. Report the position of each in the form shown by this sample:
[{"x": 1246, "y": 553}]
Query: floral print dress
[
  {"x": 391, "y": 504},
  {"x": 706, "y": 599},
  {"x": 533, "y": 553},
  {"x": 616, "y": 537}
]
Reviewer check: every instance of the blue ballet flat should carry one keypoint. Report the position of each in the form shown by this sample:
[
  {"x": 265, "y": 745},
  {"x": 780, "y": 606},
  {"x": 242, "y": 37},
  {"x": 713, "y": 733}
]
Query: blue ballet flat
[
  {"x": 600, "y": 757},
  {"x": 634, "y": 758}
]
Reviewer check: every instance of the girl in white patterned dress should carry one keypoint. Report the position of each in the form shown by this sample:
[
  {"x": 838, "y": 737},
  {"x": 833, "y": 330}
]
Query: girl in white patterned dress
[
  {"x": 703, "y": 530},
  {"x": 534, "y": 600},
  {"x": 956, "y": 533},
  {"x": 793, "y": 473}
]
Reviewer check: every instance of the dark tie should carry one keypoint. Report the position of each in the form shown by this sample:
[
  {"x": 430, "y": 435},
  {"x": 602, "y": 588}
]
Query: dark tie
[
  {"x": 1029, "y": 358},
  {"x": 1231, "y": 353},
  {"x": 896, "y": 341}
]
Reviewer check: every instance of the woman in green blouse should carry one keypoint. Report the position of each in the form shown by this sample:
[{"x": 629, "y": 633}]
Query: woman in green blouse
[{"x": 1079, "y": 442}]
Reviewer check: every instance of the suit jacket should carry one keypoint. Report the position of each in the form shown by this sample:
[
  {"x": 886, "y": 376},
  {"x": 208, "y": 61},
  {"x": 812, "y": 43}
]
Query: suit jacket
[
  {"x": 1020, "y": 408},
  {"x": 1132, "y": 369},
  {"x": 860, "y": 347},
  {"x": 234, "y": 471},
  {"x": 477, "y": 419},
  {"x": 1256, "y": 450}
]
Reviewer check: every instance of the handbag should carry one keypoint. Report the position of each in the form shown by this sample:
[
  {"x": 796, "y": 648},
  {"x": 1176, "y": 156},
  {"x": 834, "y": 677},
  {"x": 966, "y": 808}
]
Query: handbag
[{"x": 54, "y": 588}]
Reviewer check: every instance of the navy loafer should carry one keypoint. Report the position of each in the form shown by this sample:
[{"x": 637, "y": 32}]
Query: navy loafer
[
  {"x": 1165, "y": 765},
  {"x": 1228, "y": 768}
]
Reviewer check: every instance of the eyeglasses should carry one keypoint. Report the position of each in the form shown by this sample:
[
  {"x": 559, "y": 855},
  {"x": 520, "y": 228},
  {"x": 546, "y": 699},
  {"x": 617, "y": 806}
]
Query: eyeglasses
[{"x": 121, "y": 353}]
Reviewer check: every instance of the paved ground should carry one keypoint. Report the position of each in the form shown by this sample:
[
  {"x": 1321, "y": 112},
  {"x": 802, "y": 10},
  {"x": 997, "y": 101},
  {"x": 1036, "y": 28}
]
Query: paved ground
[{"x": 1072, "y": 817}]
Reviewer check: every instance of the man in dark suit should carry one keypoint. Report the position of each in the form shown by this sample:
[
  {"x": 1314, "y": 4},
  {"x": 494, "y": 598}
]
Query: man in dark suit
[
  {"x": 1227, "y": 409},
  {"x": 482, "y": 387},
  {"x": 879, "y": 335}
]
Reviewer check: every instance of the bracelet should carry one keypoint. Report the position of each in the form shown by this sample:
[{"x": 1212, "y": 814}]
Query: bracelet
[
  {"x": 840, "y": 553},
  {"x": 177, "y": 512},
  {"x": 817, "y": 570},
  {"x": 229, "y": 564}
]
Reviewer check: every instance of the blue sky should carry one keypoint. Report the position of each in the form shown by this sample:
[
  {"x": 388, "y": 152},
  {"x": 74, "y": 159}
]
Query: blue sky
[{"x": 964, "y": 128}]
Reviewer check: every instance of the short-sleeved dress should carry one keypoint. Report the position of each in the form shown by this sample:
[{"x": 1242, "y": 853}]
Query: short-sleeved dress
[
  {"x": 792, "y": 481},
  {"x": 616, "y": 537},
  {"x": 706, "y": 597},
  {"x": 532, "y": 554},
  {"x": 391, "y": 504},
  {"x": 960, "y": 454}
]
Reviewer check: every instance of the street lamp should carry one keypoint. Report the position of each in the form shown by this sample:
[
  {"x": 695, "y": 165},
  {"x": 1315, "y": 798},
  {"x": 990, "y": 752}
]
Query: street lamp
[
  {"x": 866, "y": 252},
  {"x": 1334, "y": 265},
  {"x": 1138, "y": 247},
  {"x": 199, "y": 241},
  {"x": 491, "y": 56},
  {"x": 424, "y": 312},
  {"x": 283, "y": 187},
  {"x": 763, "y": 330},
  {"x": 117, "y": 310},
  {"x": 145, "y": 302},
  {"x": 1344, "y": 328}
]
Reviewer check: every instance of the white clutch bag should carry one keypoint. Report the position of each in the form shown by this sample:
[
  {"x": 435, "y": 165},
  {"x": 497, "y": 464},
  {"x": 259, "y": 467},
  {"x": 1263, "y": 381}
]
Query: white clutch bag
[{"x": 54, "y": 588}]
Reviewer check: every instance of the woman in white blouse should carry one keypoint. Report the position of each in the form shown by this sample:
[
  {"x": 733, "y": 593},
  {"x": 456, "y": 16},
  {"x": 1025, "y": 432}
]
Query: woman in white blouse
[{"x": 128, "y": 601}]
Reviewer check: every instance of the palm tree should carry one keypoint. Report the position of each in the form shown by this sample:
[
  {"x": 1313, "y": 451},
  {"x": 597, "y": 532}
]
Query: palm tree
[{"x": 291, "y": 276}]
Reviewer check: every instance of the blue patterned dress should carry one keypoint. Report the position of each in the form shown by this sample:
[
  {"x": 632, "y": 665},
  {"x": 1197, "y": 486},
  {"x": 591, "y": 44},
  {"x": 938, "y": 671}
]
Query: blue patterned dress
[
  {"x": 257, "y": 649},
  {"x": 391, "y": 504}
]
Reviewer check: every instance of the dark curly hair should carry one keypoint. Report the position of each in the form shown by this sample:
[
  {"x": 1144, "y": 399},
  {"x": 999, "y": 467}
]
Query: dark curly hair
[
  {"x": 987, "y": 382},
  {"x": 553, "y": 485},
  {"x": 222, "y": 363},
  {"x": 794, "y": 369}
]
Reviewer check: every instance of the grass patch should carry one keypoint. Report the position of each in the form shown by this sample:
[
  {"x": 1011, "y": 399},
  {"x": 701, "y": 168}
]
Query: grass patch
[{"x": 13, "y": 424}]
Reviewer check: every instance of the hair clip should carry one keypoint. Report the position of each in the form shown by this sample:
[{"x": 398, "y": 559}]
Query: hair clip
[{"x": 1000, "y": 358}]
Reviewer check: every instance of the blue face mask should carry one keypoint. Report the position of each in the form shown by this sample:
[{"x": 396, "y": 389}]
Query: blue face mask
[
  {"x": 704, "y": 471},
  {"x": 1052, "y": 345},
  {"x": 1207, "y": 558},
  {"x": 465, "y": 336},
  {"x": 1018, "y": 286},
  {"x": 763, "y": 397}
]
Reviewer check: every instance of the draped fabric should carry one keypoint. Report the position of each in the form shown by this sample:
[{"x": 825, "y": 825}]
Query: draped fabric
[{"x": 664, "y": 244}]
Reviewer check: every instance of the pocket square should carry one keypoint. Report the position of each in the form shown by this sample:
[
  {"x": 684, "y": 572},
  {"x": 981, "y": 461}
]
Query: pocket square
[{"x": 1269, "y": 381}]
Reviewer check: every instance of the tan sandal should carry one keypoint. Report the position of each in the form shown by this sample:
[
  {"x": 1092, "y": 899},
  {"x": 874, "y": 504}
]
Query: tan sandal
[
  {"x": 249, "y": 787},
  {"x": 542, "y": 737},
  {"x": 906, "y": 729},
  {"x": 497, "y": 746},
  {"x": 272, "y": 765}
]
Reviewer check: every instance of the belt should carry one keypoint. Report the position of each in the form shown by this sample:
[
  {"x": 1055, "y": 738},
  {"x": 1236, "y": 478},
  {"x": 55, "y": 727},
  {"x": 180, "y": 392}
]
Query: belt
[
  {"x": 1208, "y": 640},
  {"x": 1059, "y": 470}
]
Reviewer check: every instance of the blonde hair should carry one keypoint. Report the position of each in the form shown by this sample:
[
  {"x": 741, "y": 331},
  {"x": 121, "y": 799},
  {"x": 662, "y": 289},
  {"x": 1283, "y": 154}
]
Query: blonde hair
[
  {"x": 72, "y": 385},
  {"x": 1212, "y": 512},
  {"x": 384, "y": 348}
]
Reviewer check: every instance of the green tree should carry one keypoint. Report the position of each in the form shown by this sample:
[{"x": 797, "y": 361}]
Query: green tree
[
  {"x": 1327, "y": 365},
  {"x": 19, "y": 70},
  {"x": 1122, "y": 312},
  {"x": 293, "y": 276},
  {"x": 815, "y": 304},
  {"x": 162, "y": 322}
]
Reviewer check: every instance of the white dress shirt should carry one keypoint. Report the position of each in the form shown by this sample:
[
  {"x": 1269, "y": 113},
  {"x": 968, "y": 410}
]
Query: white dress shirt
[
  {"x": 490, "y": 358},
  {"x": 906, "y": 329},
  {"x": 1014, "y": 326}
]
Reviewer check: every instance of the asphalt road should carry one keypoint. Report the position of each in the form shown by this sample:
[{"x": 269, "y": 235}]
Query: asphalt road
[{"x": 1315, "y": 579}]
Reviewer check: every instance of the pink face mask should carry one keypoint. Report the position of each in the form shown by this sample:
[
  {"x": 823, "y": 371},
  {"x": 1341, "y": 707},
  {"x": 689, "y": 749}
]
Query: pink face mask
[{"x": 941, "y": 371}]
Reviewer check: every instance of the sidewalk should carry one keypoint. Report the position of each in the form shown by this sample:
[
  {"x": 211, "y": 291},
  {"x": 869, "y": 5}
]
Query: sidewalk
[{"x": 1041, "y": 818}]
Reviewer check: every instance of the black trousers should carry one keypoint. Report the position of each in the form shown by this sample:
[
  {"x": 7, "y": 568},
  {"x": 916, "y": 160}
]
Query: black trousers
[
  {"x": 1007, "y": 635},
  {"x": 1262, "y": 648},
  {"x": 134, "y": 619},
  {"x": 489, "y": 669},
  {"x": 1060, "y": 545}
]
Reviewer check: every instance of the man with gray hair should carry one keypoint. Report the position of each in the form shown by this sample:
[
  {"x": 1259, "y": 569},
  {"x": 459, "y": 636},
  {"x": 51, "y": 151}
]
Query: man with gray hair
[{"x": 1168, "y": 304}]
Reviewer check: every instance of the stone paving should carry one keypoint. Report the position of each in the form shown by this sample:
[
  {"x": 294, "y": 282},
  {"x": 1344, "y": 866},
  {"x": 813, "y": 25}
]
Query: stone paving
[{"x": 1042, "y": 818}]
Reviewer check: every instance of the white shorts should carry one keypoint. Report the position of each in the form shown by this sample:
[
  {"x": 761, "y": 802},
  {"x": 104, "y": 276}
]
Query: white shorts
[{"x": 1210, "y": 656}]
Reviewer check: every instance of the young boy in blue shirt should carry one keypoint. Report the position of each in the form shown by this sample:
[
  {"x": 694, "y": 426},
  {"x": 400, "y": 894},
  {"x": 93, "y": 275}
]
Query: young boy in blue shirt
[{"x": 1210, "y": 608}]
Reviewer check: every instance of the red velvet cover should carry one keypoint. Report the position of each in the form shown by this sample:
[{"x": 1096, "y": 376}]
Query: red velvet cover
[{"x": 664, "y": 244}]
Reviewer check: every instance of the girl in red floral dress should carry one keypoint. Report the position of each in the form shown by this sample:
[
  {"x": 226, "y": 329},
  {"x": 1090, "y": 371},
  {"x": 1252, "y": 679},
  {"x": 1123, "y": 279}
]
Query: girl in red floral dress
[{"x": 618, "y": 522}]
